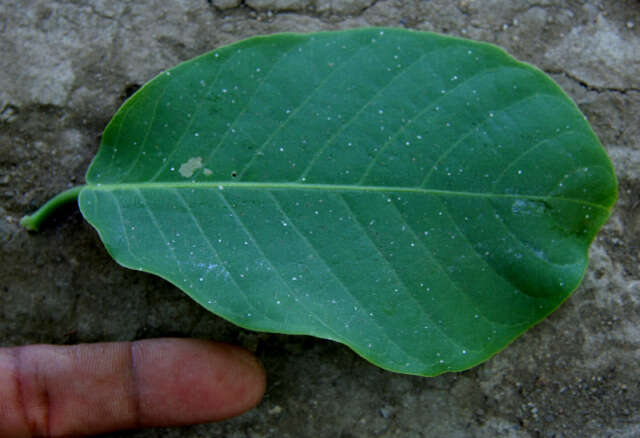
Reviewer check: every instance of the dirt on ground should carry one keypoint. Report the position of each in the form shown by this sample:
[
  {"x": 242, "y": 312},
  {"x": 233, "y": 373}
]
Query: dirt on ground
[{"x": 66, "y": 67}]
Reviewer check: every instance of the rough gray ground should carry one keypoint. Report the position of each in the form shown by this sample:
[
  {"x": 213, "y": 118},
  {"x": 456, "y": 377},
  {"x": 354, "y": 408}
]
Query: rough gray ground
[{"x": 67, "y": 65}]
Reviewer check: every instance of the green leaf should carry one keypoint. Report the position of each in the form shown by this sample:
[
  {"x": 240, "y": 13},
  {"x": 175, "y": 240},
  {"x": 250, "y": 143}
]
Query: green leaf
[{"x": 420, "y": 198}]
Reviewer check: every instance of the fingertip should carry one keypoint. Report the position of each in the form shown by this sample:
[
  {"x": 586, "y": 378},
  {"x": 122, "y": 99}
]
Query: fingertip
[
  {"x": 210, "y": 381},
  {"x": 255, "y": 375}
]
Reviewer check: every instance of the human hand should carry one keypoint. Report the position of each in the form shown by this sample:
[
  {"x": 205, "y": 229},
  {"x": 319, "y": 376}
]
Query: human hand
[{"x": 88, "y": 389}]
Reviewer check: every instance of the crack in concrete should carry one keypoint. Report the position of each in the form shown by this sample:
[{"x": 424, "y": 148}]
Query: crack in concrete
[
  {"x": 590, "y": 87},
  {"x": 100, "y": 14},
  {"x": 309, "y": 11}
]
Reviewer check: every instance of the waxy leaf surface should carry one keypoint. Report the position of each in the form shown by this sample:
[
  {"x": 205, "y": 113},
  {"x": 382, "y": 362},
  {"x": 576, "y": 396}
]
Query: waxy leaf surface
[{"x": 419, "y": 198}]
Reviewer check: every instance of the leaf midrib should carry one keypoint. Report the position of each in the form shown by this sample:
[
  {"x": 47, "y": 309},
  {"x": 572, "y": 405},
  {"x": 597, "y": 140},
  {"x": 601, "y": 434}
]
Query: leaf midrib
[{"x": 338, "y": 188}]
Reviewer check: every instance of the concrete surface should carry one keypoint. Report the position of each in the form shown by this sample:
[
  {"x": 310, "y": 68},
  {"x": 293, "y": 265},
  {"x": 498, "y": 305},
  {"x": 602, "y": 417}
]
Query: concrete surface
[{"x": 67, "y": 65}]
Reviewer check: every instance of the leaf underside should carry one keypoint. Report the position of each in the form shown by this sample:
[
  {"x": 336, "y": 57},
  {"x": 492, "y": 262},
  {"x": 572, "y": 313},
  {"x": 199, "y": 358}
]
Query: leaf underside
[{"x": 420, "y": 198}]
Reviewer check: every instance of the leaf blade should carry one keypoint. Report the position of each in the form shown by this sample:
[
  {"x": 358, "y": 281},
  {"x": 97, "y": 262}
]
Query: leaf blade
[{"x": 295, "y": 212}]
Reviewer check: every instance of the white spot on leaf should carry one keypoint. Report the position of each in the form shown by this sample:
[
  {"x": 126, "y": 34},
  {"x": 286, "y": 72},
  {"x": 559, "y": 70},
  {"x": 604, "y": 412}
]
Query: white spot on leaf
[{"x": 188, "y": 168}]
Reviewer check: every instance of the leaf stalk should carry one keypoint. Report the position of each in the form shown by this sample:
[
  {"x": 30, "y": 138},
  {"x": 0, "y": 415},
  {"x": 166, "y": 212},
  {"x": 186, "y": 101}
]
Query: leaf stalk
[{"x": 33, "y": 221}]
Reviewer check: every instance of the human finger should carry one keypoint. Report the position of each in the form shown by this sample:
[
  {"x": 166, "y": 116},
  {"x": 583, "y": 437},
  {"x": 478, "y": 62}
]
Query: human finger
[{"x": 87, "y": 389}]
